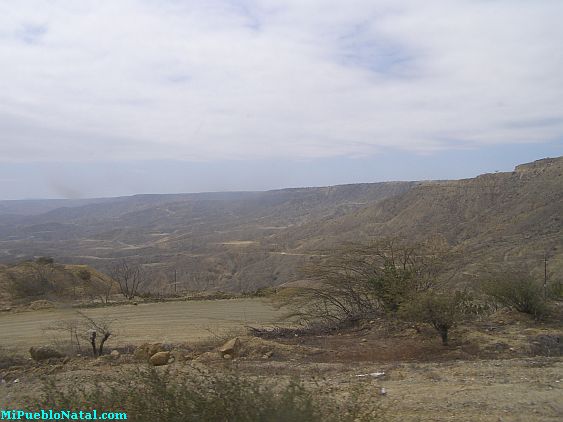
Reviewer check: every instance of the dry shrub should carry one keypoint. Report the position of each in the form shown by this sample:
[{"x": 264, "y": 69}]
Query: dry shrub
[
  {"x": 518, "y": 291},
  {"x": 151, "y": 395}
]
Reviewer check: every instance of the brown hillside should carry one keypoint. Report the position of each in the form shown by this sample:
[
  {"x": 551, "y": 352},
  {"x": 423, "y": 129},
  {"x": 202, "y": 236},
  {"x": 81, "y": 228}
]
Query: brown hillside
[
  {"x": 247, "y": 240},
  {"x": 491, "y": 218}
]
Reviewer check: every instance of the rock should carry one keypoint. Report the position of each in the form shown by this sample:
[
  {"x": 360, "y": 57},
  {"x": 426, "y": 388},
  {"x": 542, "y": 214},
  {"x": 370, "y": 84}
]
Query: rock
[
  {"x": 40, "y": 304},
  {"x": 160, "y": 358},
  {"x": 268, "y": 355},
  {"x": 145, "y": 351},
  {"x": 227, "y": 356},
  {"x": 547, "y": 345},
  {"x": 231, "y": 347},
  {"x": 372, "y": 374},
  {"x": 115, "y": 354},
  {"x": 208, "y": 357},
  {"x": 44, "y": 352}
]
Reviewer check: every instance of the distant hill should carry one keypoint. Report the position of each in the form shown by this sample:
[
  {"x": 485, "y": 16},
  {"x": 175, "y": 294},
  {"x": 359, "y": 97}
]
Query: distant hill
[
  {"x": 42, "y": 279},
  {"x": 247, "y": 240},
  {"x": 210, "y": 239},
  {"x": 500, "y": 217}
]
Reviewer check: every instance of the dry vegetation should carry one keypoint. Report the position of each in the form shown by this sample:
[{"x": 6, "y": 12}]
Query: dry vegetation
[
  {"x": 246, "y": 241},
  {"x": 505, "y": 367},
  {"x": 455, "y": 326}
]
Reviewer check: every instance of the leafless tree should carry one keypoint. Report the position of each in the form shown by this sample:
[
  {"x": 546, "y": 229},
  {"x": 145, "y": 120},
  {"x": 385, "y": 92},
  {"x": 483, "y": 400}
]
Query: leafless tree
[
  {"x": 71, "y": 328},
  {"x": 98, "y": 330},
  {"x": 360, "y": 280},
  {"x": 200, "y": 281},
  {"x": 95, "y": 331},
  {"x": 129, "y": 277}
]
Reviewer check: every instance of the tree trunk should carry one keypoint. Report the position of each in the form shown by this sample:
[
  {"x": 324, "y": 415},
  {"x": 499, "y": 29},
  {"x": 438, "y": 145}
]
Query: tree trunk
[
  {"x": 444, "y": 335},
  {"x": 104, "y": 338},
  {"x": 93, "y": 342}
]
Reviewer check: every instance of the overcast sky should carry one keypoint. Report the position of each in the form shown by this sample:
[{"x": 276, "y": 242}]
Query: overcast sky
[{"x": 104, "y": 98}]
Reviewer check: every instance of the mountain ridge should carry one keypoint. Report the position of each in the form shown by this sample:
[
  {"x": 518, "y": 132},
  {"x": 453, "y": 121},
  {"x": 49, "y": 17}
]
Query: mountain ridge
[{"x": 247, "y": 240}]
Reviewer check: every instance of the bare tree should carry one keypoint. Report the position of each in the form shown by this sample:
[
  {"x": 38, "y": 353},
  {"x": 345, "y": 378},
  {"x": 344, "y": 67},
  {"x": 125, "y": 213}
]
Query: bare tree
[
  {"x": 200, "y": 281},
  {"x": 71, "y": 328},
  {"x": 361, "y": 280},
  {"x": 96, "y": 332},
  {"x": 98, "y": 329},
  {"x": 129, "y": 277}
]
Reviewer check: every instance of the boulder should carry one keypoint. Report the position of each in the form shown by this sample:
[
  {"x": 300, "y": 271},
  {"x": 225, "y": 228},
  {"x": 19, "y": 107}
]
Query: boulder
[
  {"x": 44, "y": 353},
  {"x": 146, "y": 350},
  {"x": 231, "y": 347},
  {"x": 160, "y": 358}
]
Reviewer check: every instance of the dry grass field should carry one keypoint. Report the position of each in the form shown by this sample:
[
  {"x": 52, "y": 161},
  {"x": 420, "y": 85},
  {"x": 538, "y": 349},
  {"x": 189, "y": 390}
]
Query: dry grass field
[{"x": 168, "y": 322}]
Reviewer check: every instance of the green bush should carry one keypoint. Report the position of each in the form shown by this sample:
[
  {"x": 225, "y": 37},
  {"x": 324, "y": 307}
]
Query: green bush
[
  {"x": 152, "y": 395},
  {"x": 519, "y": 292},
  {"x": 441, "y": 310}
]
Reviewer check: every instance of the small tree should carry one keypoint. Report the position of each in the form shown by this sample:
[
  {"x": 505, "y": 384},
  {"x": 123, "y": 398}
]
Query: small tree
[
  {"x": 442, "y": 311},
  {"x": 95, "y": 331},
  {"x": 129, "y": 277}
]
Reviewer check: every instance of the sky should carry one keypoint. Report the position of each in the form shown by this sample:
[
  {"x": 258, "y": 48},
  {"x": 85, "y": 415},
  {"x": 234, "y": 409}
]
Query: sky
[{"x": 107, "y": 98}]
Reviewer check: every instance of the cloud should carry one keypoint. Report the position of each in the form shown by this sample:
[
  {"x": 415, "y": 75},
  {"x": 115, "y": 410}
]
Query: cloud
[{"x": 209, "y": 80}]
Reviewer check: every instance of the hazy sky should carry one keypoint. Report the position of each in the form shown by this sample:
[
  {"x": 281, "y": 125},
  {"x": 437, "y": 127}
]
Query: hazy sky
[{"x": 119, "y": 97}]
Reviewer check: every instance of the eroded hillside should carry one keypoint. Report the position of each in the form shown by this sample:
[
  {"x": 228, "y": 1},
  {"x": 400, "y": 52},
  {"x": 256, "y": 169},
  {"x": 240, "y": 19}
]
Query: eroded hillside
[{"x": 244, "y": 241}]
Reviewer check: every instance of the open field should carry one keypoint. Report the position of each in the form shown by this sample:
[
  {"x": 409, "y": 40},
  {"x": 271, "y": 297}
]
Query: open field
[{"x": 161, "y": 322}]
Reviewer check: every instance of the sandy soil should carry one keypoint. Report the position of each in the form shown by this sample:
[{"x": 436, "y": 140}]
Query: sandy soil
[{"x": 169, "y": 322}]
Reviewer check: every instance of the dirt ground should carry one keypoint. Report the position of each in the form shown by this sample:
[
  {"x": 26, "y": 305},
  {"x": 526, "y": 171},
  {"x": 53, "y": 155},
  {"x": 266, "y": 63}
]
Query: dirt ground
[
  {"x": 168, "y": 322},
  {"x": 507, "y": 368},
  {"x": 520, "y": 389},
  {"x": 484, "y": 390}
]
